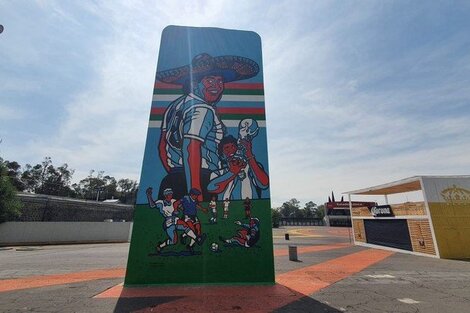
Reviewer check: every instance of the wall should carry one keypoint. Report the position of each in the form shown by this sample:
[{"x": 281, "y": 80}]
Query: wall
[
  {"x": 417, "y": 221},
  {"x": 204, "y": 138},
  {"x": 449, "y": 205},
  {"x": 421, "y": 237},
  {"x": 21, "y": 233},
  {"x": 43, "y": 208}
]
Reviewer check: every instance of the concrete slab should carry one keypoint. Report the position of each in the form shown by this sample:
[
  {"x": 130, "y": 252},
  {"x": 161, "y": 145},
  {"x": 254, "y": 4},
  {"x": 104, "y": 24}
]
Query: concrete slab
[{"x": 395, "y": 283}]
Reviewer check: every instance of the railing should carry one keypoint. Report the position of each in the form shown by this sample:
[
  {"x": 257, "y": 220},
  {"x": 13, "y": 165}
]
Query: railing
[{"x": 296, "y": 221}]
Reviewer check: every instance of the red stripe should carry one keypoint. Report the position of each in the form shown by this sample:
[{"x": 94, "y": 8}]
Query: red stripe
[
  {"x": 255, "y": 111},
  {"x": 240, "y": 110},
  {"x": 244, "y": 86},
  {"x": 160, "y": 85},
  {"x": 249, "y": 86},
  {"x": 157, "y": 111}
]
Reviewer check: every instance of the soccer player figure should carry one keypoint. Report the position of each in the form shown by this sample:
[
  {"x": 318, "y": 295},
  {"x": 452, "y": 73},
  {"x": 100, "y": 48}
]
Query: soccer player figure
[
  {"x": 226, "y": 205},
  {"x": 168, "y": 208},
  {"x": 246, "y": 237},
  {"x": 213, "y": 209},
  {"x": 190, "y": 206},
  {"x": 247, "y": 206},
  {"x": 191, "y": 128},
  {"x": 240, "y": 175}
]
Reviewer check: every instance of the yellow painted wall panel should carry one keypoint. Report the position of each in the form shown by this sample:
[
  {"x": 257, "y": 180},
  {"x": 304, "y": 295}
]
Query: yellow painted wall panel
[{"x": 452, "y": 228}]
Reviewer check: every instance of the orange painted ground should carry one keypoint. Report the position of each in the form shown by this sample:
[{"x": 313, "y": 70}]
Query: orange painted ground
[
  {"x": 310, "y": 279},
  {"x": 59, "y": 279},
  {"x": 291, "y": 286}
]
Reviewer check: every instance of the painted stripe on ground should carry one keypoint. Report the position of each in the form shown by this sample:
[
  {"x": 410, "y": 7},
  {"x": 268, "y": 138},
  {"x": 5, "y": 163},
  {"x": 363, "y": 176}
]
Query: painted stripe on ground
[
  {"x": 224, "y": 298},
  {"x": 59, "y": 279},
  {"x": 311, "y": 279},
  {"x": 68, "y": 278}
]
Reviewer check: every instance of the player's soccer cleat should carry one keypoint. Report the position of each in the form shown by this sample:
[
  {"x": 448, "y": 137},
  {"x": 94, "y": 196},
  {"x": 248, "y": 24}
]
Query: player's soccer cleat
[
  {"x": 201, "y": 239},
  {"x": 183, "y": 239},
  {"x": 190, "y": 249}
]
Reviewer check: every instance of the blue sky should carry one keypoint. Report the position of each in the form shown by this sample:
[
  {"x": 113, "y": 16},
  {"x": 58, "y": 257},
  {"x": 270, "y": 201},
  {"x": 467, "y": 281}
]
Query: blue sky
[{"x": 358, "y": 93}]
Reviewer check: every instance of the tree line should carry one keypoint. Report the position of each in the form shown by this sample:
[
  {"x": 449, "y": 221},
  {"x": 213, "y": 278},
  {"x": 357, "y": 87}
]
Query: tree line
[
  {"x": 292, "y": 208},
  {"x": 46, "y": 178}
]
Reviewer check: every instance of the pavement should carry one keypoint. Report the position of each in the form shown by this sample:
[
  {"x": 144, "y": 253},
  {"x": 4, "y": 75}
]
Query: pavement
[{"x": 331, "y": 275}]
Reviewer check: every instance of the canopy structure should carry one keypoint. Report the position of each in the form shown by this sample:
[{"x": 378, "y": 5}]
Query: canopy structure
[
  {"x": 399, "y": 186},
  {"x": 434, "y": 226},
  {"x": 403, "y": 185}
]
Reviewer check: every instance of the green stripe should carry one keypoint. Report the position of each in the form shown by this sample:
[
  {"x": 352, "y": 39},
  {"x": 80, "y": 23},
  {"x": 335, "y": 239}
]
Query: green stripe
[
  {"x": 156, "y": 117},
  {"x": 258, "y": 117},
  {"x": 252, "y": 92},
  {"x": 259, "y": 92}
]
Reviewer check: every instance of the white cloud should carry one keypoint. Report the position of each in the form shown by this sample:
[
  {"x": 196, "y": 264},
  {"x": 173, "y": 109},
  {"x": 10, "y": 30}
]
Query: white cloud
[{"x": 344, "y": 112}]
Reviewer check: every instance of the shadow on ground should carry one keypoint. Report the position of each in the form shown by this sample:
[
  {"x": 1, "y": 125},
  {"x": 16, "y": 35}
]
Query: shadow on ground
[
  {"x": 306, "y": 304},
  {"x": 152, "y": 304},
  {"x": 125, "y": 305}
]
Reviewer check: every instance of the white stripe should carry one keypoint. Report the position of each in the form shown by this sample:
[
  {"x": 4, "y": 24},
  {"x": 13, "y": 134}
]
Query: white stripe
[
  {"x": 227, "y": 123},
  {"x": 234, "y": 123},
  {"x": 241, "y": 98},
  {"x": 155, "y": 124}
]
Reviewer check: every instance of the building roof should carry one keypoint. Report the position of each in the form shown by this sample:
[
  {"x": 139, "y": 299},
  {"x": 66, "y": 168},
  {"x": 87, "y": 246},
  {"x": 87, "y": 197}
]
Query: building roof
[{"x": 399, "y": 186}]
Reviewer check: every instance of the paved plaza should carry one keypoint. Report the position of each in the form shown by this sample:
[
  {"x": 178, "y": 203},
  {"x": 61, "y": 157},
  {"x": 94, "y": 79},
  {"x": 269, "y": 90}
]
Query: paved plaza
[{"x": 331, "y": 275}]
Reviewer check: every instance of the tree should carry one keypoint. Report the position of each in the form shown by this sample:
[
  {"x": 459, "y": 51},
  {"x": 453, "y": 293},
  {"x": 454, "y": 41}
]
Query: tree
[
  {"x": 127, "y": 189},
  {"x": 290, "y": 208},
  {"x": 14, "y": 173},
  {"x": 46, "y": 179},
  {"x": 320, "y": 211},
  {"x": 102, "y": 187},
  {"x": 310, "y": 208},
  {"x": 275, "y": 217},
  {"x": 9, "y": 204}
]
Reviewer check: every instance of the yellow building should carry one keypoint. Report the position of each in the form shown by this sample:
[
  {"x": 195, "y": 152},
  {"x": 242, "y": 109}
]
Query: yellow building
[{"x": 439, "y": 226}]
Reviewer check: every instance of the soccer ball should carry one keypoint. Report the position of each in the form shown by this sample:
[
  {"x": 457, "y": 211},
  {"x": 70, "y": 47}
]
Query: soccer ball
[
  {"x": 248, "y": 129},
  {"x": 214, "y": 247}
]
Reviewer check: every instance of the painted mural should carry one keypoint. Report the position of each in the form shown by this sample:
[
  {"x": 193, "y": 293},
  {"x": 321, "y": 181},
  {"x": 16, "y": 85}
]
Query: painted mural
[{"x": 203, "y": 207}]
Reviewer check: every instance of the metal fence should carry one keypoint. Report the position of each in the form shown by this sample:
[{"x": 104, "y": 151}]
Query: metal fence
[{"x": 307, "y": 221}]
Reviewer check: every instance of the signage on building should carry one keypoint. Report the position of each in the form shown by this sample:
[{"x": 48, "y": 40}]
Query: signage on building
[
  {"x": 382, "y": 211},
  {"x": 345, "y": 204}
]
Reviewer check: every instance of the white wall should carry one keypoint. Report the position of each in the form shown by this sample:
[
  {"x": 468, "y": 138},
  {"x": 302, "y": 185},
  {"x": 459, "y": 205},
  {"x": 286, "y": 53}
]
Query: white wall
[{"x": 21, "y": 233}]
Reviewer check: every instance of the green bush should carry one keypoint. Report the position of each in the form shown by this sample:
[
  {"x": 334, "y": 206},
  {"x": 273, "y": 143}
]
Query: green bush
[
  {"x": 9, "y": 203},
  {"x": 275, "y": 216}
]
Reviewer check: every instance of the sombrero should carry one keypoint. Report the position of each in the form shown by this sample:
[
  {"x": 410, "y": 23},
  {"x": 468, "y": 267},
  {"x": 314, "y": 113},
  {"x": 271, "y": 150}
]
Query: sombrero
[{"x": 230, "y": 67}]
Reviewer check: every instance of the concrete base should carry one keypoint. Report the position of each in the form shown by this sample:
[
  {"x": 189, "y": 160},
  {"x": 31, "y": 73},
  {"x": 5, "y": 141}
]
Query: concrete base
[{"x": 39, "y": 233}]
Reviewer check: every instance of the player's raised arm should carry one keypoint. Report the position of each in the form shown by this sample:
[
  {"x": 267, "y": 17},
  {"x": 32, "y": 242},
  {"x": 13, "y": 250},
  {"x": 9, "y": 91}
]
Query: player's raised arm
[{"x": 150, "y": 200}]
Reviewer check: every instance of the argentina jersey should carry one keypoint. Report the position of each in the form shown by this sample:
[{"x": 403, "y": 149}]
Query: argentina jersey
[{"x": 189, "y": 117}]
